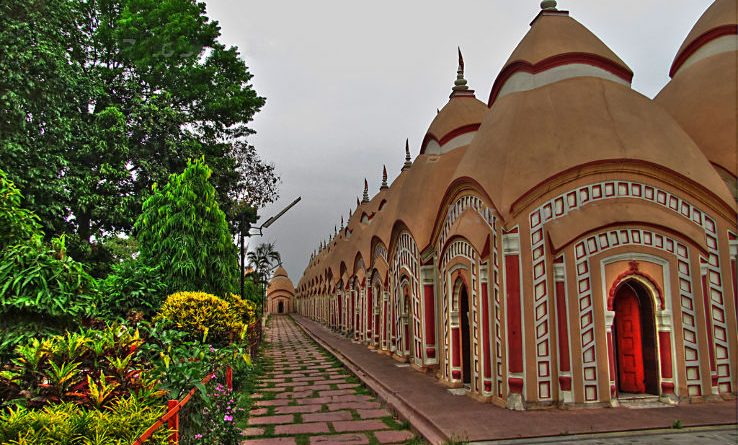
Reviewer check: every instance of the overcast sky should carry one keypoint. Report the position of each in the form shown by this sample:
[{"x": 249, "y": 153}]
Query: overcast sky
[{"x": 347, "y": 81}]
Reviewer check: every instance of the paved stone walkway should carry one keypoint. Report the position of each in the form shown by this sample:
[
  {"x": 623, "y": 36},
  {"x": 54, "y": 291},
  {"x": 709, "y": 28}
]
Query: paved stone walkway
[{"x": 309, "y": 398}]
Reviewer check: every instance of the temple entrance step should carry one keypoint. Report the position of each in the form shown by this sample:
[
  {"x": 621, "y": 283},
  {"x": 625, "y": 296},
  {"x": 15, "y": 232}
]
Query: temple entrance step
[{"x": 641, "y": 401}]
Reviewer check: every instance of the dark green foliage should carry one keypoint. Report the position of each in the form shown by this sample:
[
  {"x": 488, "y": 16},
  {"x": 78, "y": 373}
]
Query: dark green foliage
[
  {"x": 183, "y": 231},
  {"x": 133, "y": 286},
  {"x": 41, "y": 92},
  {"x": 99, "y": 100}
]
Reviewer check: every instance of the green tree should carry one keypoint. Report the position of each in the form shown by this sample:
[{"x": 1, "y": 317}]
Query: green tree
[
  {"x": 100, "y": 100},
  {"x": 264, "y": 258},
  {"x": 183, "y": 231}
]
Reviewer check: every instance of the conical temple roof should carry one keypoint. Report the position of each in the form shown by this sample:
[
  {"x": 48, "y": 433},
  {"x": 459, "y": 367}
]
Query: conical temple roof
[
  {"x": 718, "y": 20},
  {"x": 702, "y": 95},
  {"x": 556, "y": 40},
  {"x": 537, "y": 133},
  {"x": 280, "y": 282}
]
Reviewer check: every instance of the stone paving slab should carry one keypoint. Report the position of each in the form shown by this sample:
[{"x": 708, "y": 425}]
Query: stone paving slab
[
  {"x": 441, "y": 416},
  {"x": 309, "y": 398}
]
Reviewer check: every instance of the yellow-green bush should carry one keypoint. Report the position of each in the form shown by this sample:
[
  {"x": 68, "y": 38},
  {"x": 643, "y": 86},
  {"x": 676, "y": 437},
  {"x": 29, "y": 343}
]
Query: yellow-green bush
[
  {"x": 69, "y": 423},
  {"x": 203, "y": 315},
  {"x": 244, "y": 309}
]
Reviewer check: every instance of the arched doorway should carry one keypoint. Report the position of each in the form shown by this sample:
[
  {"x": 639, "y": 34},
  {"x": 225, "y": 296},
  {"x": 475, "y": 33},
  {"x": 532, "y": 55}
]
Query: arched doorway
[
  {"x": 407, "y": 317},
  {"x": 465, "y": 347},
  {"x": 635, "y": 342},
  {"x": 280, "y": 307}
]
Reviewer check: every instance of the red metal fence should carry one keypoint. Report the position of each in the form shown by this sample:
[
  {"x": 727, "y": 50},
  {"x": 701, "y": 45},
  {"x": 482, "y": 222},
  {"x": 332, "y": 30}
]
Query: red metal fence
[{"x": 171, "y": 417}]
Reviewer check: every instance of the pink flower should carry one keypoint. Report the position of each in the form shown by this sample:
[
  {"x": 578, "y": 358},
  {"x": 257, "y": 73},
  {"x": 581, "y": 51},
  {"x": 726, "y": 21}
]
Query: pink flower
[
  {"x": 228, "y": 418},
  {"x": 198, "y": 436}
]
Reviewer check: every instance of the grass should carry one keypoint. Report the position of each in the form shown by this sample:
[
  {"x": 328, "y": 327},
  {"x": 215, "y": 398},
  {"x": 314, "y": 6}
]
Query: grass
[
  {"x": 246, "y": 387},
  {"x": 395, "y": 425}
]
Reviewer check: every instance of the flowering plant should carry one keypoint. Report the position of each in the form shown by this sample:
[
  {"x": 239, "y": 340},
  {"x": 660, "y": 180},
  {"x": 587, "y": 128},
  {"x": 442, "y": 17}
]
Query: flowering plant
[{"x": 217, "y": 416}]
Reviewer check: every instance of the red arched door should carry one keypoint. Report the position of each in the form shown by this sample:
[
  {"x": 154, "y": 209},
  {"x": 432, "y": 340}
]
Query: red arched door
[{"x": 628, "y": 332}]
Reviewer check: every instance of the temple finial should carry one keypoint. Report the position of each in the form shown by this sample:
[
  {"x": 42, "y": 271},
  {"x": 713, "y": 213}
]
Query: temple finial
[
  {"x": 548, "y": 5},
  {"x": 341, "y": 222},
  {"x": 408, "y": 162},
  {"x": 358, "y": 203},
  {"x": 384, "y": 178},
  {"x": 460, "y": 83},
  {"x": 351, "y": 213},
  {"x": 365, "y": 198}
]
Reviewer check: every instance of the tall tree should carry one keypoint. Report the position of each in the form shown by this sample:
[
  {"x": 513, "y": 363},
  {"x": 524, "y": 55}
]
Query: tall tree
[
  {"x": 183, "y": 231},
  {"x": 101, "y": 99}
]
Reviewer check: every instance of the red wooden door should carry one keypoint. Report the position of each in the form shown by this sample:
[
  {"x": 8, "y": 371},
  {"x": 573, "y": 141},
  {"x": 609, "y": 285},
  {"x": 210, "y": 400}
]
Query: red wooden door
[{"x": 629, "y": 344}]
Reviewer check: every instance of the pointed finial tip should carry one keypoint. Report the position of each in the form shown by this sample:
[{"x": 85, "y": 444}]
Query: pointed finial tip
[
  {"x": 548, "y": 5},
  {"x": 460, "y": 83},
  {"x": 365, "y": 198}
]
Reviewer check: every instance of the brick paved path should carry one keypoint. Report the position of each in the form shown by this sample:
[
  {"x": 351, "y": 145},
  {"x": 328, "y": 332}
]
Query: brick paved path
[{"x": 309, "y": 398}]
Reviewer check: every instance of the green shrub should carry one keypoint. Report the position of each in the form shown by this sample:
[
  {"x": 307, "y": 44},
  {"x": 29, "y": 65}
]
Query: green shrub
[
  {"x": 44, "y": 280},
  {"x": 133, "y": 286},
  {"x": 42, "y": 290},
  {"x": 203, "y": 316},
  {"x": 69, "y": 423},
  {"x": 16, "y": 224}
]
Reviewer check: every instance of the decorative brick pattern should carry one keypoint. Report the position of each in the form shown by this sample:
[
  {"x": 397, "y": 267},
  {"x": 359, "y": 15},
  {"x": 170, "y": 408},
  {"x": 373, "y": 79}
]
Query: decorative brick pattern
[
  {"x": 592, "y": 193},
  {"x": 406, "y": 272}
]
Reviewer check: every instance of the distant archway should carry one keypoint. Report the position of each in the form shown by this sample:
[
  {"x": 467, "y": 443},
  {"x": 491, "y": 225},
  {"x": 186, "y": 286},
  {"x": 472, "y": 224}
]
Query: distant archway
[{"x": 635, "y": 341}]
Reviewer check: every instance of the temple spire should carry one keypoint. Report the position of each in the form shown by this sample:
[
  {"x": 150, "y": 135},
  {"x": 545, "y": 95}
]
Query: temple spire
[
  {"x": 408, "y": 162},
  {"x": 365, "y": 198},
  {"x": 358, "y": 203},
  {"x": 384, "y": 178},
  {"x": 341, "y": 222},
  {"x": 460, "y": 87}
]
